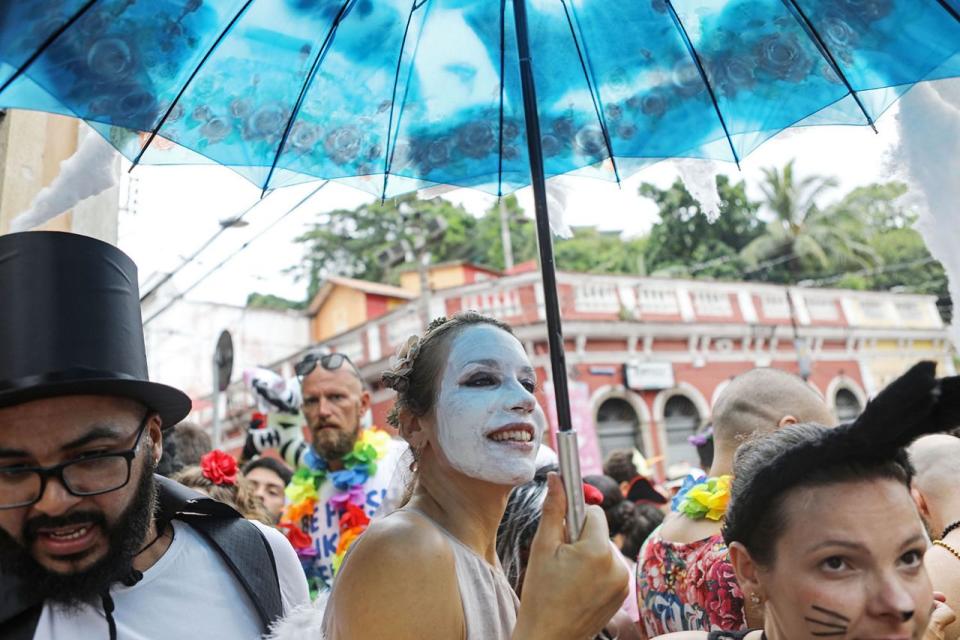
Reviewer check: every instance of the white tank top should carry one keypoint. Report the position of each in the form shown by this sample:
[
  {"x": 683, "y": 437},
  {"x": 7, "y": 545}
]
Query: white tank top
[{"x": 489, "y": 603}]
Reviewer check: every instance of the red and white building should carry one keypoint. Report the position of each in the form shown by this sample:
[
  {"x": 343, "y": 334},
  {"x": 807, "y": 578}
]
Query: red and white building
[{"x": 647, "y": 357}]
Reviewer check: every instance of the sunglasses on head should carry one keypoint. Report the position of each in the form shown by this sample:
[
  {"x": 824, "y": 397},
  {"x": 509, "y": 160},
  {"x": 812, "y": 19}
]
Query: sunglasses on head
[{"x": 330, "y": 362}]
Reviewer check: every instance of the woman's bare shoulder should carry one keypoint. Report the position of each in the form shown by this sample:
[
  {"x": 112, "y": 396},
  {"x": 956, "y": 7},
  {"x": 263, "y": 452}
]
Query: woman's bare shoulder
[{"x": 401, "y": 572}]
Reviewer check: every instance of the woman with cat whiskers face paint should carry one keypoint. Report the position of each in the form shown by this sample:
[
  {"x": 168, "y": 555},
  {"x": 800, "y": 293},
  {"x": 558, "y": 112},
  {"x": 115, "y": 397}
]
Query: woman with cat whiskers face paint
[{"x": 823, "y": 534}]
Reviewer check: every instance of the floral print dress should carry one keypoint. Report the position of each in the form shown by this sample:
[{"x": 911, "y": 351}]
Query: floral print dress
[{"x": 687, "y": 587}]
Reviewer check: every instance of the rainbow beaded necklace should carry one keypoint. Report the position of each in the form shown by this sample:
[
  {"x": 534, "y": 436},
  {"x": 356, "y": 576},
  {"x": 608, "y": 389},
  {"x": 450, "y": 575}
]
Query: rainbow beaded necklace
[{"x": 348, "y": 498}]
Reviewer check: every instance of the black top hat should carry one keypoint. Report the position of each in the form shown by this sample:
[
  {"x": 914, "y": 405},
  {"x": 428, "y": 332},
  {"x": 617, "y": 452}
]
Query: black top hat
[{"x": 71, "y": 324}]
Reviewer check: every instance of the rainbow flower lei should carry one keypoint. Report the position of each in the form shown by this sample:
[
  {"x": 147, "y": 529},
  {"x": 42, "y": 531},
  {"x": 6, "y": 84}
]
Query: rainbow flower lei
[
  {"x": 702, "y": 497},
  {"x": 348, "y": 498}
]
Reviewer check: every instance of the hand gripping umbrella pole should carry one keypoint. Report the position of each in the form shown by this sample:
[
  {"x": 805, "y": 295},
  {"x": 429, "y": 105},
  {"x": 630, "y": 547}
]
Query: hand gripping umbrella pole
[{"x": 568, "y": 451}]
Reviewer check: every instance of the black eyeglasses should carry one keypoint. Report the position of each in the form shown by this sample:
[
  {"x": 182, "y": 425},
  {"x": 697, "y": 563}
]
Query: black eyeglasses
[
  {"x": 89, "y": 476},
  {"x": 330, "y": 362}
]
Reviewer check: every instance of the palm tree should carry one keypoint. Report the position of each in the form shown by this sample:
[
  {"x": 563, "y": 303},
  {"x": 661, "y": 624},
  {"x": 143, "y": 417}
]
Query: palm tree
[{"x": 801, "y": 234}]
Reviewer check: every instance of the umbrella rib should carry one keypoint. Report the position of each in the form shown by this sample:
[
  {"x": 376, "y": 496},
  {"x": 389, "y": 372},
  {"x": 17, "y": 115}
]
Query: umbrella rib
[
  {"x": 387, "y": 156},
  {"x": 321, "y": 54},
  {"x": 946, "y": 7},
  {"x": 183, "y": 89},
  {"x": 831, "y": 60},
  {"x": 703, "y": 76},
  {"x": 46, "y": 44},
  {"x": 503, "y": 4},
  {"x": 594, "y": 90}
]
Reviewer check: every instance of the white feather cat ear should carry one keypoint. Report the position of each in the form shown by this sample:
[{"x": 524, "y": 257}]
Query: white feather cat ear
[
  {"x": 305, "y": 621},
  {"x": 92, "y": 169},
  {"x": 400, "y": 486},
  {"x": 700, "y": 179},
  {"x": 558, "y": 191}
]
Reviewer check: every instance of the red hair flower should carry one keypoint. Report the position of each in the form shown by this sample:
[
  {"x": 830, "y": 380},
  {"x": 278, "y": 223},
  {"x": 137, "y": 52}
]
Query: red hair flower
[
  {"x": 592, "y": 495},
  {"x": 296, "y": 536},
  {"x": 219, "y": 467}
]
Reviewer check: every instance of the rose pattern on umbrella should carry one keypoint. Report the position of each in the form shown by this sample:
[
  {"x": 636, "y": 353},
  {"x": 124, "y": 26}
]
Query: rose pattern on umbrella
[
  {"x": 215, "y": 129},
  {"x": 589, "y": 142},
  {"x": 654, "y": 103},
  {"x": 120, "y": 64},
  {"x": 686, "y": 79},
  {"x": 266, "y": 123},
  {"x": 732, "y": 73},
  {"x": 343, "y": 144},
  {"x": 839, "y": 37},
  {"x": 782, "y": 56},
  {"x": 111, "y": 59},
  {"x": 476, "y": 139},
  {"x": 866, "y": 10}
]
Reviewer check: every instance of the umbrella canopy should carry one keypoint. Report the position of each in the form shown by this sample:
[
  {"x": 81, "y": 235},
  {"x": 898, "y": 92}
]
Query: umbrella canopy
[{"x": 395, "y": 95}]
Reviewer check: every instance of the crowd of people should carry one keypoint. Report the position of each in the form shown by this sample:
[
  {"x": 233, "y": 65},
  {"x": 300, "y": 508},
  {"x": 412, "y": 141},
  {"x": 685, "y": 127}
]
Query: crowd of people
[{"x": 119, "y": 520}]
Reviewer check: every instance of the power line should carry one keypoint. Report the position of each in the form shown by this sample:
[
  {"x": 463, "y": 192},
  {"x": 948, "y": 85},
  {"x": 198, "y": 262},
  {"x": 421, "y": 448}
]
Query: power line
[
  {"x": 233, "y": 220},
  {"x": 762, "y": 266},
  {"x": 869, "y": 271},
  {"x": 246, "y": 244}
]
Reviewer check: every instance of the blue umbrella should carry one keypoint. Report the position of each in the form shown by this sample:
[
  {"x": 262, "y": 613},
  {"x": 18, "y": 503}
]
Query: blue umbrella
[{"x": 396, "y": 95}]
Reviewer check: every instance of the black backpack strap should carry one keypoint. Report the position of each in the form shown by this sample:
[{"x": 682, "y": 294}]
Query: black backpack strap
[
  {"x": 19, "y": 614},
  {"x": 238, "y": 541},
  {"x": 248, "y": 554},
  {"x": 23, "y": 625}
]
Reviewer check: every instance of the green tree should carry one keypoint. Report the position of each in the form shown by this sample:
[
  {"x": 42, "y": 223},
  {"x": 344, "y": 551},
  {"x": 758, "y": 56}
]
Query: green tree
[
  {"x": 806, "y": 238},
  {"x": 904, "y": 262},
  {"x": 685, "y": 242},
  {"x": 487, "y": 248},
  {"x": 349, "y": 242},
  {"x": 879, "y": 206},
  {"x": 593, "y": 251},
  {"x": 269, "y": 301}
]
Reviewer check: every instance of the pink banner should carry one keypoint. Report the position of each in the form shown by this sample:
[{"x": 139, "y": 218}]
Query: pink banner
[{"x": 581, "y": 413}]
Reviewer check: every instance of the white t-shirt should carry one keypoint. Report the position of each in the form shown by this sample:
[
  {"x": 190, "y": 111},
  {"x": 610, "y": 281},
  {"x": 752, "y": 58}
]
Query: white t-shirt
[
  {"x": 324, "y": 527},
  {"x": 189, "y": 593}
]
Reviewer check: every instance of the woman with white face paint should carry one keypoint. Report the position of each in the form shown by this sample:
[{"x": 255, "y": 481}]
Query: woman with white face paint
[{"x": 429, "y": 571}]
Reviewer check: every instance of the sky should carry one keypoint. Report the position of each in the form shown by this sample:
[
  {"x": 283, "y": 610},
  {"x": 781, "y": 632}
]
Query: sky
[{"x": 180, "y": 208}]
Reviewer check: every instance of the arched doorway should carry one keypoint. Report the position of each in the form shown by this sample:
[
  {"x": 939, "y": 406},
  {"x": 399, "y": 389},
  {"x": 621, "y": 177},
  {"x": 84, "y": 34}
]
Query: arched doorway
[
  {"x": 681, "y": 419},
  {"x": 847, "y": 405},
  {"x": 618, "y": 426}
]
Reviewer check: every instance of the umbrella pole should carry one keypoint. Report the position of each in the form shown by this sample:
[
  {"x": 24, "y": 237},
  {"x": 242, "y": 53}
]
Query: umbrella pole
[{"x": 568, "y": 451}]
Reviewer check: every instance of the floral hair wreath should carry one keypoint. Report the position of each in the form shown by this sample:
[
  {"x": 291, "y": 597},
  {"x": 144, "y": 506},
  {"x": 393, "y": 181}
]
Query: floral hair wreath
[
  {"x": 219, "y": 468},
  {"x": 398, "y": 378}
]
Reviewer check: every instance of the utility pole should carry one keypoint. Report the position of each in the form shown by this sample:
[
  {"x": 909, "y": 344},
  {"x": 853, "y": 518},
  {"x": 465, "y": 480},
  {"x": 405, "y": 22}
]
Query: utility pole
[
  {"x": 423, "y": 260},
  {"x": 505, "y": 236}
]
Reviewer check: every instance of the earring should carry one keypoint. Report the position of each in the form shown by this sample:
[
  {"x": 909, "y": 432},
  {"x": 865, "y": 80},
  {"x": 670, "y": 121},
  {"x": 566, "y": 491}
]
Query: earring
[{"x": 755, "y": 599}]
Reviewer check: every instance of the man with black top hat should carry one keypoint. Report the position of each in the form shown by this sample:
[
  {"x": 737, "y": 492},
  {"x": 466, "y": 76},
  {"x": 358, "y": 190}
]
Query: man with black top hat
[{"x": 92, "y": 543}]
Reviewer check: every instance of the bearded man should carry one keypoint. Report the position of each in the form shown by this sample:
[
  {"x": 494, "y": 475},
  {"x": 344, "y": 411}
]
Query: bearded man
[
  {"x": 92, "y": 543},
  {"x": 343, "y": 475}
]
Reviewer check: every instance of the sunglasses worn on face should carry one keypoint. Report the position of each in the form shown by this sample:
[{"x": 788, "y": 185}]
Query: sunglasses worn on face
[{"x": 330, "y": 362}]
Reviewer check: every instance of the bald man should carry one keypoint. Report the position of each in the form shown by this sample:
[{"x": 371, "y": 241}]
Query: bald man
[
  {"x": 757, "y": 401},
  {"x": 935, "y": 490}
]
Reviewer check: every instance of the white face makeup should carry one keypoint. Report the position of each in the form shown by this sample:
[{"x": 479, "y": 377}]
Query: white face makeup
[{"x": 489, "y": 423}]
